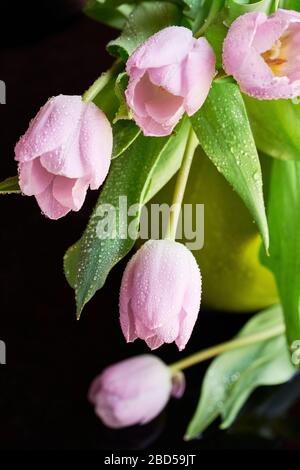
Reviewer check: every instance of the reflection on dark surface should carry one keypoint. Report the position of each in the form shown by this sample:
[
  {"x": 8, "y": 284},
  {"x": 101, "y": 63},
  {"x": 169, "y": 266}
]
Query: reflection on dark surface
[
  {"x": 51, "y": 358},
  {"x": 273, "y": 413}
]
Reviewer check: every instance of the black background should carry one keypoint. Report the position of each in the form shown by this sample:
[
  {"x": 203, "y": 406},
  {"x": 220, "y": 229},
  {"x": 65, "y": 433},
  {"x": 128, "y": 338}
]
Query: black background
[{"x": 48, "y": 48}]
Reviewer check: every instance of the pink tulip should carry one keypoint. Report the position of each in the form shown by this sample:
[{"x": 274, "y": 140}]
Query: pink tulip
[
  {"x": 169, "y": 74},
  {"x": 160, "y": 294},
  {"x": 66, "y": 149},
  {"x": 134, "y": 391},
  {"x": 263, "y": 54}
]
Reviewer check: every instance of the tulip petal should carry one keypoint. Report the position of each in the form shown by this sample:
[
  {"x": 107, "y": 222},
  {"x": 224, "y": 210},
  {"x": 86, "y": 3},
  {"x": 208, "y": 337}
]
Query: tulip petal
[
  {"x": 133, "y": 391},
  {"x": 163, "y": 79},
  {"x": 191, "y": 306},
  {"x": 134, "y": 78},
  {"x": 279, "y": 88},
  {"x": 198, "y": 73},
  {"x": 141, "y": 330},
  {"x": 67, "y": 148},
  {"x": 155, "y": 102},
  {"x": 169, "y": 331},
  {"x": 161, "y": 286},
  {"x": 254, "y": 72},
  {"x": 144, "y": 91},
  {"x": 165, "y": 108},
  {"x": 51, "y": 128},
  {"x": 169, "y": 77},
  {"x": 262, "y": 54},
  {"x": 88, "y": 150},
  {"x": 49, "y": 205},
  {"x": 268, "y": 32},
  {"x": 159, "y": 49},
  {"x": 154, "y": 342},
  {"x": 33, "y": 178},
  {"x": 65, "y": 161},
  {"x": 187, "y": 323},
  {"x": 126, "y": 314},
  {"x": 70, "y": 192},
  {"x": 105, "y": 409},
  {"x": 117, "y": 412},
  {"x": 146, "y": 367},
  {"x": 290, "y": 15},
  {"x": 96, "y": 142},
  {"x": 238, "y": 42},
  {"x": 159, "y": 282},
  {"x": 152, "y": 128}
]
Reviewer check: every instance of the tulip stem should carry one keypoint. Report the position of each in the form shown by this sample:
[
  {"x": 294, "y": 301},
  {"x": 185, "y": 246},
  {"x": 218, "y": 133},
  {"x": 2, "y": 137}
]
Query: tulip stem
[
  {"x": 227, "y": 346},
  {"x": 101, "y": 82},
  {"x": 181, "y": 182}
]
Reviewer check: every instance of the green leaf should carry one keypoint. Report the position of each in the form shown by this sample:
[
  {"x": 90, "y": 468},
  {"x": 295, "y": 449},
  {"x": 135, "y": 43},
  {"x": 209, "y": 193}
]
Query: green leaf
[
  {"x": 210, "y": 16},
  {"x": 284, "y": 223},
  {"x": 146, "y": 19},
  {"x": 276, "y": 127},
  {"x": 107, "y": 100},
  {"x": 271, "y": 367},
  {"x": 193, "y": 7},
  {"x": 120, "y": 88},
  {"x": 10, "y": 186},
  {"x": 224, "y": 132},
  {"x": 290, "y": 4},
  {"x": 111, "y": 12},
  {"x": 202, "y": 13},
  {"x": 88, "y": 263},
  {"x": 215, "y": 35},
  {"x": 232, "y": 376},
  {"x": 195, "y": 13},
  {"x": 236, "y": 8},
  {"x": 124, "y": 134}
]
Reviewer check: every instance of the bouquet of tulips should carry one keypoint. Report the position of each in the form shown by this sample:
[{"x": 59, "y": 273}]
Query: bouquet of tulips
[{"x": 202, "y": 98}]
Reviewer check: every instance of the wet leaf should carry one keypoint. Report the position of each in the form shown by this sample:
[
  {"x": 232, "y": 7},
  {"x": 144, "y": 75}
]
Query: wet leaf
[
  {"x": 236, "y": 8},
  {"x": 145, "y": 20},
  {"x": 124, "y": 134},
  {"x": 276, "y": 126},
  {"x": 284, "y": 222},
  {"x": 224, "y": 132},
  {"x": 10, "y": 186},
  {"x": 114, "y": 13},
  {"x": 215, "y": 35},
  {"x": 89, "y": 261},
  {"x": 120, "y": 88},
  {"x": 233, "y": 376},
  {"x": 289, "y": 4}
]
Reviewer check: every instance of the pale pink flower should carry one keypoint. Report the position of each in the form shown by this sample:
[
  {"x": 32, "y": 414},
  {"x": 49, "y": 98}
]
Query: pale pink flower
[
  {"x": 263, "y": 54},
  {"x": 169, "y": 74},
  {"x": 134, "y": 391},
  {"x": 66, "y": 149},
  {"x": 160, "y": 294}
]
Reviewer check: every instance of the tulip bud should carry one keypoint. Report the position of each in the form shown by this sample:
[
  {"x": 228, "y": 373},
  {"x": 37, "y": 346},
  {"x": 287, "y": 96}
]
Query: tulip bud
[
  {"x": 66, "y": 149},
  {"x": 160, "y": 294},
  {"x": 169, "y": 74},
  {"x": 262, "y": 54},
  {"x": 133, "y": 391}
]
